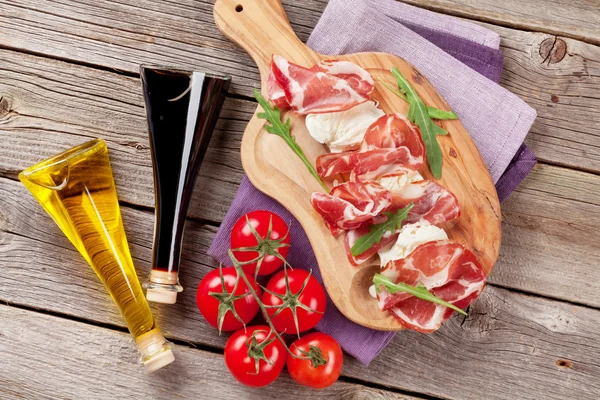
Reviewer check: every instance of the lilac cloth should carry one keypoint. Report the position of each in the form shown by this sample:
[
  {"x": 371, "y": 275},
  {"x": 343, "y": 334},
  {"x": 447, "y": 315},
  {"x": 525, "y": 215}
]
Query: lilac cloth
[{"x": 463, "y": 62}]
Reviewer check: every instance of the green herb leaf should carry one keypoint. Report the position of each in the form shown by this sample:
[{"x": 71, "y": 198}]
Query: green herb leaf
[
  {"x": 276, "y": 127},
  {"x": 419, "y": 115},
  {"x": 377, "y": 231},
  {"x": 436, "y": 113},
  {"x": 419, "y": 291},
  {"x": 433, "y": 112}
]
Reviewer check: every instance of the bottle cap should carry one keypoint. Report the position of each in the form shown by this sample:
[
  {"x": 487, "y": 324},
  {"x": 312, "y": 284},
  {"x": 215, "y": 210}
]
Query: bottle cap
[
  {"x": 155, "y": 351},
  {"x": 159, "y": 360},
  {"x": 161, "y": 296}
]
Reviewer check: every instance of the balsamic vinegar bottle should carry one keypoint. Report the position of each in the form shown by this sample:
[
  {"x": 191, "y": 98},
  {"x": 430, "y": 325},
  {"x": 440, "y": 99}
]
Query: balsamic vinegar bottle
[{"x": 182, "y": 109}]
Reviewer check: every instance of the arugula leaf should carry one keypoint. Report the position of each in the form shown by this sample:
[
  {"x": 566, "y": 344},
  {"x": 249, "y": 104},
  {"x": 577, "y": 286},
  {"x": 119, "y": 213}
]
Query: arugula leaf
[
  {"x": 418, "y": 114},
  {"x": 377, "y": 231},
  {"x": 436, "y": 113},
  {"x": 419, "y": 291},
  {"x": 273, "y": 115},
  {"x": 433, "y": 112}
]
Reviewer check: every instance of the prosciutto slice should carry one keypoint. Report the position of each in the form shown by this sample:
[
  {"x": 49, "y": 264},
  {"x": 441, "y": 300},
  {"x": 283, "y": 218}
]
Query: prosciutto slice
[
  {"x": 358, "y": 79},
  {"x": 312, "y": 91},
  {"x": 391, "y": 145},
  {"x": 367, "y": 165},
  {"x": 351, "y": 204},
  {"x": 392, "y": 131},
  {"x": 446, "y": 269},
  {"x": 354, "y": 234},
  {"x": 433, "y": 204},
  {"x": 276, "y": 93}
]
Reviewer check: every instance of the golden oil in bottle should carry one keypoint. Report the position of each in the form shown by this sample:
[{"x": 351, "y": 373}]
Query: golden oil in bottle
[{"x": 77, "y": 189}]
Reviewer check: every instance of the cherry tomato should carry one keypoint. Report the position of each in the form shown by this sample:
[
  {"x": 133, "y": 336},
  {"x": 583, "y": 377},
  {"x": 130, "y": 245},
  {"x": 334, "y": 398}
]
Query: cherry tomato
[
  {"x": 312, "y": 297},
  {"x": 218, "y": 308},
  {"x": 313, "y": 373},
  {"x": 245, "y": 347},
  {"x": 267, "y": 245}
]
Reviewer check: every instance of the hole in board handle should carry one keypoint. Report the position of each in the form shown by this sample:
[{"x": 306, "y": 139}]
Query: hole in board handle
[{"x": 239, "y": 8}]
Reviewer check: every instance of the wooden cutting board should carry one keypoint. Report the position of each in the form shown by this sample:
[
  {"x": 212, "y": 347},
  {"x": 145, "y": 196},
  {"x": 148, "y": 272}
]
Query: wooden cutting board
[{"x": 261, "y": 28}]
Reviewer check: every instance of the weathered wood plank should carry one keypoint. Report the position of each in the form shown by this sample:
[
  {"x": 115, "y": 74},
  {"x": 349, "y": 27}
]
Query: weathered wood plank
[
  {"x": 578, "y": 18},
  {"x": 73, "y": 360},
  {"x": 510, "y": 341},
  {"x": 564, "y": 88},
  {"x": 123, "y": 34},
  {"x": 47, "y": 106},
  {"x": 551, "y": 226}
]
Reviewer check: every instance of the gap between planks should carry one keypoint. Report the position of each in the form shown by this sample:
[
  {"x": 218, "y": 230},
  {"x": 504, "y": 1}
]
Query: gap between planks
[{"x": 460, "y": 11}]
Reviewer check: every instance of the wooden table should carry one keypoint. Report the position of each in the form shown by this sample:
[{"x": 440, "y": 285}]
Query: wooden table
[{"x": 69, "y": 73}]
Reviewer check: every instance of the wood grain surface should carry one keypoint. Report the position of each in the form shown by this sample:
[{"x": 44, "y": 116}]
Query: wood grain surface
[
  {"x": 68, "y": 104},
  {"x": 575, "y": 18},
  {"x": 515, "y": 344},
  {"x": 79, "y": 369}
]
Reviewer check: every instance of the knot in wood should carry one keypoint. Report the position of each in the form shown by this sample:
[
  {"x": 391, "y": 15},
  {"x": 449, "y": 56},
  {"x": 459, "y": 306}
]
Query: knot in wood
[
  {"x": 4, "y": 107},
  {"x": 564, "y": 364},
  {"x": 553, "y": 50},
  {"x": 417, "y": 77}
]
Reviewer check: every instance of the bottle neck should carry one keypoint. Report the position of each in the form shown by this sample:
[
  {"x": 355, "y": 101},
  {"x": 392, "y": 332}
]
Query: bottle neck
[{"x": 162, "y": 287}]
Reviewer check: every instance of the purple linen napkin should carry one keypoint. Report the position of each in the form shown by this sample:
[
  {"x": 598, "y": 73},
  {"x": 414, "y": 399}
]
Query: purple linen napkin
[{"x": 462, "y": 50}]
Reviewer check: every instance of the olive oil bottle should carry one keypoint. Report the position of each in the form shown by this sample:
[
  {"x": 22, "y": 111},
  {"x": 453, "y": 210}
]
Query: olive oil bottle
[{"x": 77, "y": 189}]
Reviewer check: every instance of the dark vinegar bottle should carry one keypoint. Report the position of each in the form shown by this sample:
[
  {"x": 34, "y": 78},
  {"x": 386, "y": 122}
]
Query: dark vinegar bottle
[{"x": 182, "y": 108}]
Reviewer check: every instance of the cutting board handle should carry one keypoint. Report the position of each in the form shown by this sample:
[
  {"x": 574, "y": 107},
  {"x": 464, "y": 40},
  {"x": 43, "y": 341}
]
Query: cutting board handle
[{"x": 262, "y": 29}]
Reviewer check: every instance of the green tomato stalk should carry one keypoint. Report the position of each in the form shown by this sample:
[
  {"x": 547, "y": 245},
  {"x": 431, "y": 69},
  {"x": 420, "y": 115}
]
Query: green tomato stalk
[{"x": 314, "y": 355}]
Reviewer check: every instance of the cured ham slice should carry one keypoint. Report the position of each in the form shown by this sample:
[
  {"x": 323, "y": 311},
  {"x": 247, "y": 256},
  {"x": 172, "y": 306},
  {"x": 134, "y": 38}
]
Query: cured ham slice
[
  {"x": 354, "y": 234},
  {"x": 392, "y": 131},
  {"x": 311, "y": 91},
  {"x": 432, "y": 203},
  {"x": 446, "y": 269},
  {"x": 358, "y": 79},
  {"x": 392, "y": 145},
  {"x": 276, "y": 93},
  {"x": 351, "y": 205},
  {"x": 367, "y": 165}
]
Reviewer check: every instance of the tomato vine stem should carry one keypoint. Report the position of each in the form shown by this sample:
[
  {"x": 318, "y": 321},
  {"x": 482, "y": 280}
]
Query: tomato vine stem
[{"x": 315, "y": 357}]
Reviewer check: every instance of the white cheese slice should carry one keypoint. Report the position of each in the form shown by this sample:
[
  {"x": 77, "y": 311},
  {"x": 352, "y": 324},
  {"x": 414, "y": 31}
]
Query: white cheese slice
[
  {"x": 343, "y": 130},
  {"x": 396, "y": 182},
  {"x": 372, "y": 291},
  {"x": 411, "y": 236}
]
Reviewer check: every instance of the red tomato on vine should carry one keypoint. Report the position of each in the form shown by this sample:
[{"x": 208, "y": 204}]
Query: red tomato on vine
[
  {"x": 222, "y": 310},
  {"x": 325, "y": 361},
  {"x": 254, "y": 356},
  {"x": 295, "y": 301},
  {"x": 262, "y": 239}
]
